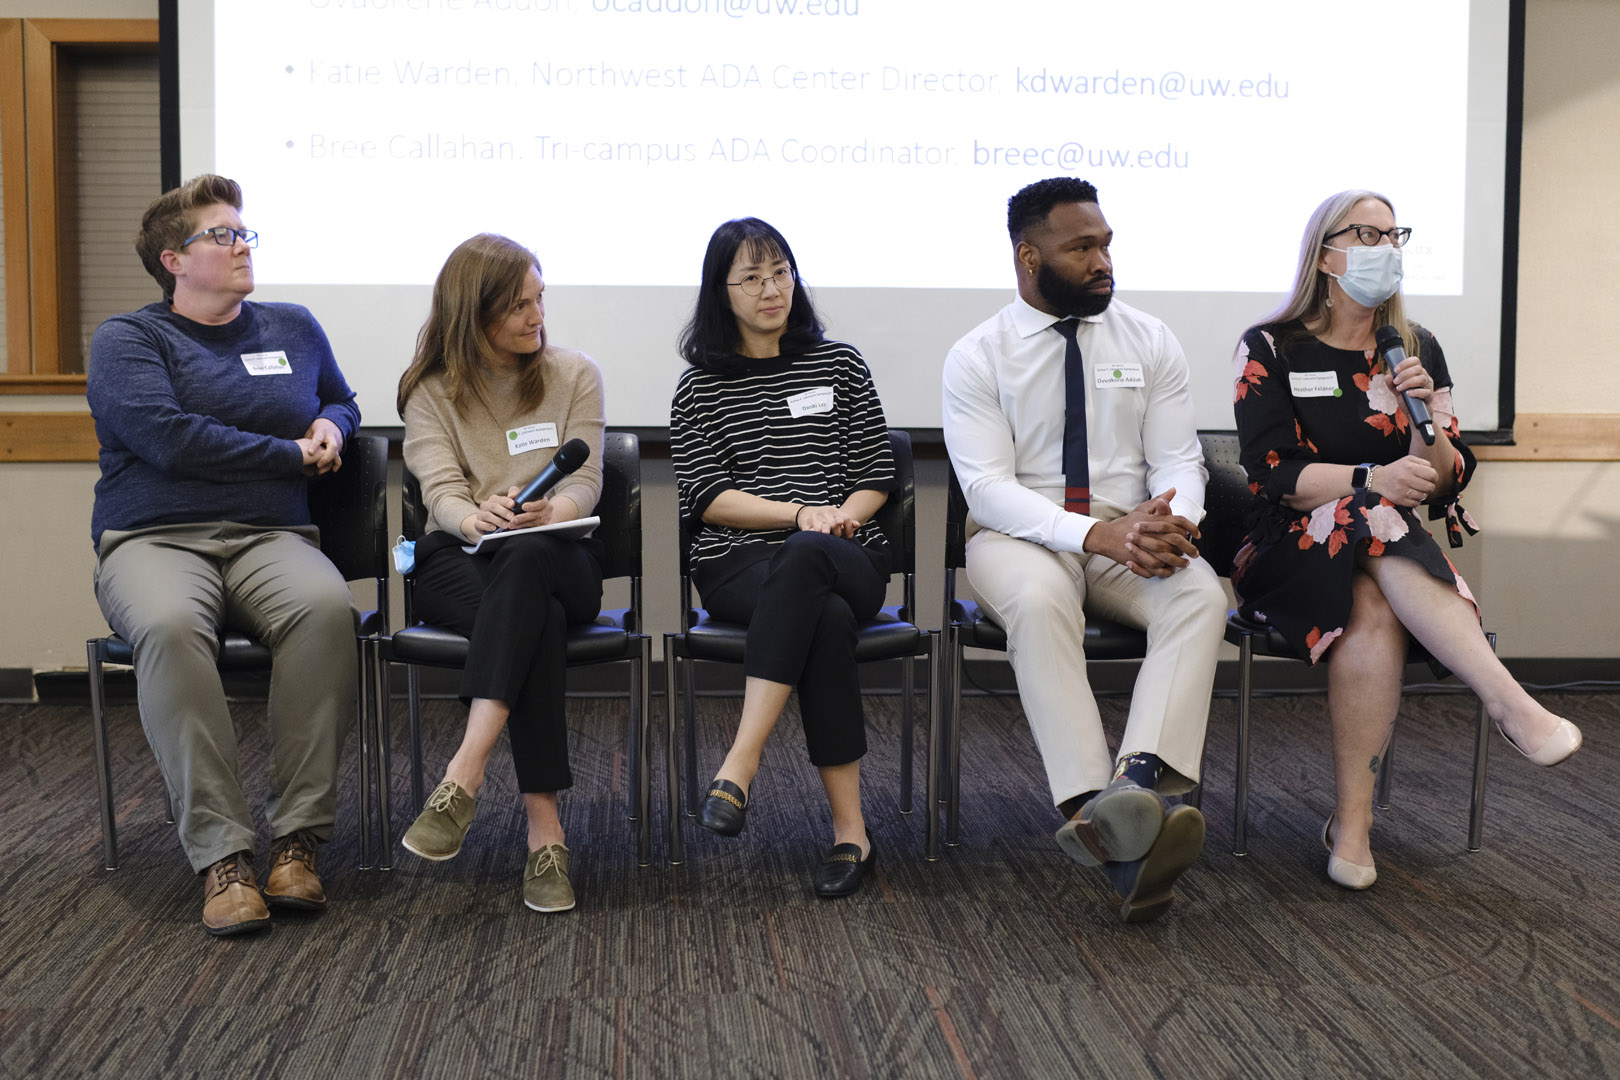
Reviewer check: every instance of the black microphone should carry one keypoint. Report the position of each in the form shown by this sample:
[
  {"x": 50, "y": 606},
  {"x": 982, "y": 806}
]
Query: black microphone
[
  {"x": 1394, "y": 354},
  {"x": 570, "y": 456}
]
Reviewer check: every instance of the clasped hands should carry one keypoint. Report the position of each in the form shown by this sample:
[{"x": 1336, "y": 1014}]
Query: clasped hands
[
  {"x": 1150, "y": 541},
  {"x": 322, "y": 447},
  {"x": 826, "y": 519}
]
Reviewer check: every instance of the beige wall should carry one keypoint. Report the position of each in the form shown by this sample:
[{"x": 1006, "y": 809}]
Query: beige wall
[
  {"x": 1541, "y": 565},
  {"x": 78, "y": 9}
]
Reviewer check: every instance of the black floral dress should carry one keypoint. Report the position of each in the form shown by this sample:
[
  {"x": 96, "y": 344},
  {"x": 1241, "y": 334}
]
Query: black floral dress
[{"x": 1298, "y": 402}]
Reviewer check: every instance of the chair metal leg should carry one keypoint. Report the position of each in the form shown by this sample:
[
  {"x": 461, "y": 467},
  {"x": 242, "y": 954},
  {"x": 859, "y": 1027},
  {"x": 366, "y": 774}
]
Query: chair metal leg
[
  {"x": 1240, "y": 798},
  {"x": 907, "y": 744},
  {"x": 641, "y": 775},
  {"x": 168, "y": 806},
  {"x": 953, "y": 749},
  {"x": 931, "y": 777},
  {"x": 1482, "y": 753},
  {"x": 383, "y": 732},
  {"x": 689, "y": 694},
  {"x": 98, "y": 737},
  {"x": 633, "y": 809},
  {"x": 413, "y": 695},
  {"x": 672, "y": 766},
  {"x": 1386, "y": 773},
  {"x": 365, "y": 687}
]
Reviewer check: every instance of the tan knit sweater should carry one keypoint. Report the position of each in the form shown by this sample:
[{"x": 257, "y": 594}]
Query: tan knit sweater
[{"x": 462, "y": 459}]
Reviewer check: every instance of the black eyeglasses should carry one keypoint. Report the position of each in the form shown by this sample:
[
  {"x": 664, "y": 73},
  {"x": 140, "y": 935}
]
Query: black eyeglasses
[
  {"x": 225, "y": 236},
  {"x": 754, "y": 284},
  {"x": 1372, "y": 236}
]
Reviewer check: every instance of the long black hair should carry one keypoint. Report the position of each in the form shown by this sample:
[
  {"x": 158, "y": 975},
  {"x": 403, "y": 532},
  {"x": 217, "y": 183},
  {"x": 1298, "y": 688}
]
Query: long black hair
[{"x": 710, "y": 338}]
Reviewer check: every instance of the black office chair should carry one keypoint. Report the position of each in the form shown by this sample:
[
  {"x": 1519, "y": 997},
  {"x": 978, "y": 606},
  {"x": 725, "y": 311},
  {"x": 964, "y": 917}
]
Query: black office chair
[
  {"x": 350, "y": 508},
  {"x": 891, "y": 635},
  {"x": 1231, "y": 500},
  {"x": 968, "y": 626},
  {"x": 614, "y": 637}
]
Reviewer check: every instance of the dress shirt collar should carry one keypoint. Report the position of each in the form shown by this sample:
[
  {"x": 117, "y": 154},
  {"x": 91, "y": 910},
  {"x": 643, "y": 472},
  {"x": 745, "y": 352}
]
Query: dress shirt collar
[{"x": 1029, "y": 320}]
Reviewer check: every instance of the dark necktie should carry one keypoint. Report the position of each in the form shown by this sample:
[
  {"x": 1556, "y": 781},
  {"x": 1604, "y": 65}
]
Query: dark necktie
[{"x": 1076, "y": 467}]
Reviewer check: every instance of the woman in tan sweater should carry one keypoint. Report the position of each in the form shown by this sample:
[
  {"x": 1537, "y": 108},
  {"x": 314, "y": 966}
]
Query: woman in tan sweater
[{"x": 486, "y": 403}]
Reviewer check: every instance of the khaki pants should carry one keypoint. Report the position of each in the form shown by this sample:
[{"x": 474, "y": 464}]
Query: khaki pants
[
  {"x": 169, "y": 591},
  {"x": 1041, "y": 598}
]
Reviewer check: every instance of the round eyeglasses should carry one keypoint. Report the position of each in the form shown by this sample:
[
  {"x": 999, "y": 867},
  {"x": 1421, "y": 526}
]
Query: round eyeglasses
[
  {"x": 754, "y": 284},
  {"x": 225, "y": 236},
  {"x": 1373, "y": 236}
]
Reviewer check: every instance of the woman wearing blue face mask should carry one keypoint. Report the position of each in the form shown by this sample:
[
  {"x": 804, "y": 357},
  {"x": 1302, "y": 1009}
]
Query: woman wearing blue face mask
[{"x": 1339, "y": 563}]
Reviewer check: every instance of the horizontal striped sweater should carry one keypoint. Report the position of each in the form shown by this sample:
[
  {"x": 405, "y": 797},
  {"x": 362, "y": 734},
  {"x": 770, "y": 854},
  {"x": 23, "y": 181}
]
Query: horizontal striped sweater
[{"x": 740, "y": 431}]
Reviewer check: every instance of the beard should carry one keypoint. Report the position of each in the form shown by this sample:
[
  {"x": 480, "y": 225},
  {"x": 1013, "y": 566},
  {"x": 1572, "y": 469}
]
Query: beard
[{"x": 1070, "y": 299}]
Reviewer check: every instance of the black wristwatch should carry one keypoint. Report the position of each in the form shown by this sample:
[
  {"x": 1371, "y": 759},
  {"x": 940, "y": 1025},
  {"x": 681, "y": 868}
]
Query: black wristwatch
[{"x": 1361, "y": 476}]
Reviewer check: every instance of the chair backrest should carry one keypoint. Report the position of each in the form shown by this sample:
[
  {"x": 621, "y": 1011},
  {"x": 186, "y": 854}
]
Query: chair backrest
[
  {"x": 1227, "y": 505},
  {"x": 1228, "y": 502},
  {"x": 620, "y": 505},
  {"x": 350, "y": 507},
  {"x": 897, "y": 518},
  {"x": 956, "y": 512},
  {"x": 898, "y": 515}
]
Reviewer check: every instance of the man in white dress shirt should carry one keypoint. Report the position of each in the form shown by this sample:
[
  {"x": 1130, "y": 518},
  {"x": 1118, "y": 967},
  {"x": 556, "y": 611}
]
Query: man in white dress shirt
[{"x": 1070, "y": 425}]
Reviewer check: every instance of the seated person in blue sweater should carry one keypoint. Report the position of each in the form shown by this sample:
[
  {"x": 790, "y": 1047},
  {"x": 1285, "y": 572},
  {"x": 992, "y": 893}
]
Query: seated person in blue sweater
[{"x": 212, "y": 412}]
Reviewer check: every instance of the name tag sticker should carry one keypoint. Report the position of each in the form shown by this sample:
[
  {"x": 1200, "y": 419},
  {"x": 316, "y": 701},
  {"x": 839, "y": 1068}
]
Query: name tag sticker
[
  {"x": 530, "y": 437},
  {"x": 266, "y": 363},
  {"x": 1315, "y": 383},
  {"x": 1123, "y": 373},
  {"x": 811, "y": 402}
]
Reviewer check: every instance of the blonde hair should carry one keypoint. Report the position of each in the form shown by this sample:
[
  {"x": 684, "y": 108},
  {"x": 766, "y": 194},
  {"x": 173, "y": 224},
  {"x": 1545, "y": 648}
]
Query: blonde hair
[
  {"x": 1308, "y": 304},
  {"x": 169, "y": 221},
  {"x": 478, "y": 285}
]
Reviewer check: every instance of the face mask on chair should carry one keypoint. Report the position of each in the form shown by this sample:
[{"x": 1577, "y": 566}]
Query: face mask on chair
[{"x": 1371, "y": 274}]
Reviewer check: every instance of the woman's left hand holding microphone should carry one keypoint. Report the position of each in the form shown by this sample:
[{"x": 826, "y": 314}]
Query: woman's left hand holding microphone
[{"x": 502, "y": 512}]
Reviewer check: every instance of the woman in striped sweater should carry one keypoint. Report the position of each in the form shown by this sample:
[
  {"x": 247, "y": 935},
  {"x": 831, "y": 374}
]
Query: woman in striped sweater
[{"x": 781, "y": 460}]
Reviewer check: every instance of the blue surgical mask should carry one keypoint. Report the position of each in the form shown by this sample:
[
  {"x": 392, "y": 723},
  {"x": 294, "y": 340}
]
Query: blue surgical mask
[
  {"x": 405, "y": 556},
  {"x": 1371, "y": 274}
]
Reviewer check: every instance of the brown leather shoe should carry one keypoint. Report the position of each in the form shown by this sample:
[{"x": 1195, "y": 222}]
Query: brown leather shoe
[
  {"x": 231, "y": 900},
  {"x": 293, "y": 882}
]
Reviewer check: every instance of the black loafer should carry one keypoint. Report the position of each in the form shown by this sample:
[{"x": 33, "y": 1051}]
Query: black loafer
[
  {"x": 725, "y": 811},
  {"x": 843, "y": 870}
]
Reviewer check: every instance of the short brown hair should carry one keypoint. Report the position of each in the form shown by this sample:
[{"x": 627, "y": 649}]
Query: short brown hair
[{"x": 170, "y": 220}]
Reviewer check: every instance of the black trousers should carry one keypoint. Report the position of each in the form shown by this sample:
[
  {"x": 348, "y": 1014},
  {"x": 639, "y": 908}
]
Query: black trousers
[
  {"x": 802, "y": 606},
  {"x": 515, "y": 607}
]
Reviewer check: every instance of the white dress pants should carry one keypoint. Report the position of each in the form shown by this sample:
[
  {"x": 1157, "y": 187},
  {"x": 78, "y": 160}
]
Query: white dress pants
[{"x": 1041, "y": 598}]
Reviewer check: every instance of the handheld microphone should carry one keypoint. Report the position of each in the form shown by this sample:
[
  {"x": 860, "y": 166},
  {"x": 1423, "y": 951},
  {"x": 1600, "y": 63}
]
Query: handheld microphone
[
  {"x": 570, "y": 456},
  {"x": 1394, "y": 353}
]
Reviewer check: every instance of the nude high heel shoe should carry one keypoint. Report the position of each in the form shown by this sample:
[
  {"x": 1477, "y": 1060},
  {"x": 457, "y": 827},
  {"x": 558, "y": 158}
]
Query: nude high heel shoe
[
  {"x": 1564, "y": 741},
  {"x": 1344, "y": 872}
]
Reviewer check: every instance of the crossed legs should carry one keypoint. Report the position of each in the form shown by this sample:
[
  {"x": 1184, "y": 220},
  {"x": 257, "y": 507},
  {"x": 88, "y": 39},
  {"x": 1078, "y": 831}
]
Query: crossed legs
[
  {"x": 1391, "y": 598},
  {"x": 802, "y": 607}
]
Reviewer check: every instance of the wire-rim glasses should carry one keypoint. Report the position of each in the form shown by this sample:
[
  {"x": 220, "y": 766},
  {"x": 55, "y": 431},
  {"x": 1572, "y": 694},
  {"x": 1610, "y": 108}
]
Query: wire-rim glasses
[{"x": 754, "y": 284}]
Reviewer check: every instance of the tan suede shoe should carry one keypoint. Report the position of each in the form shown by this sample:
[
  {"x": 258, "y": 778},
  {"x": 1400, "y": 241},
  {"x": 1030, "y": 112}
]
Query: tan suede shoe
[
  {"x": 292, "y": 882},
  {"x": 231, "y": 900}
]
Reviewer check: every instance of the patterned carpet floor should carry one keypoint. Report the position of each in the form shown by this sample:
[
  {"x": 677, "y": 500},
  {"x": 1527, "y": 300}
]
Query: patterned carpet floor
[{"x": 1003, "y": 959}]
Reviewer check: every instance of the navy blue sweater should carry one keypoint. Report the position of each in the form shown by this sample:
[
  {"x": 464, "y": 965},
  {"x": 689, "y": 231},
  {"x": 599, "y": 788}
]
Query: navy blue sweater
[{"x": 188, "y": 435}]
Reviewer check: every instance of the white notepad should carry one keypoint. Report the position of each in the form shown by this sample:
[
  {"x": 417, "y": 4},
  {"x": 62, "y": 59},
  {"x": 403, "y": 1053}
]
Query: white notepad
[{"x": 568, "y": 530}]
